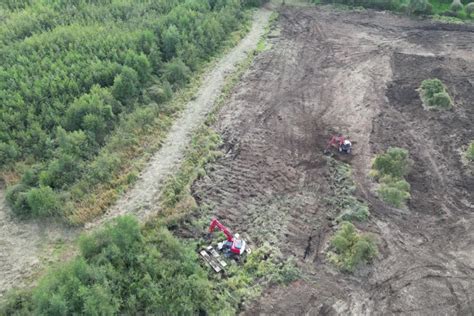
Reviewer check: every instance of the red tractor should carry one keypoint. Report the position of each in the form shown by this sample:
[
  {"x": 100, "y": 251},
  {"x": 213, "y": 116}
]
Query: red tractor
[{"x": 341, "y": 143}]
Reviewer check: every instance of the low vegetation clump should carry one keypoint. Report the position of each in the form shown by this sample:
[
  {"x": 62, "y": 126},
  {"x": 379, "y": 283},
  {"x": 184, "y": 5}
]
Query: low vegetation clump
[
  {"x": 470, "y": 152},
  {"x": 469, "y": 8},
  {"x": 456, "y": 6},
  {"x": 390, "y": 169},
  {"x": 350, "y": 249},
  {"x": 419, "y": 7},
  {"x": 434, "y": 95},
  {"x": 343, "y": 201}
]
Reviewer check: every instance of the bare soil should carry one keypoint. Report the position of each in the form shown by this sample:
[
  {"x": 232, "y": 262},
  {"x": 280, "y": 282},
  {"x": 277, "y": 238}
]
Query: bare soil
[{"x": 355, "y": 73}]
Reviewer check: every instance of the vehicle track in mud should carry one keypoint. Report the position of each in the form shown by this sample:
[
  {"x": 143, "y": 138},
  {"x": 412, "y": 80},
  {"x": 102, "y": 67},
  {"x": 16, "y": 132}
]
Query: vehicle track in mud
[{"x": 354, "y": 73}]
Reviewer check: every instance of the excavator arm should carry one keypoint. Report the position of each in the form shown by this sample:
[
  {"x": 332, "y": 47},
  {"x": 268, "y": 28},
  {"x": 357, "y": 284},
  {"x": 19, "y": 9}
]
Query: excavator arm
[{"x": 215, "y": 223}]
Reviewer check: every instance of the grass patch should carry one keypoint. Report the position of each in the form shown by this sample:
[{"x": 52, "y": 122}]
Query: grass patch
[
  {"x": 350, "y": 249},
  {"x": 389, "y": 169},
  {"x": 343, "y": 200},
  {"x": 470, "y": 152},
  {"x": 434, "y": 95}
]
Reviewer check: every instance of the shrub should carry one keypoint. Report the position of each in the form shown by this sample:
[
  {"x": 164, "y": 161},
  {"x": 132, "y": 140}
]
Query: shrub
[
  {"x": 434, "y": 95},
  {"x": 441, "y": 100},
  {"x": 61, "y": 172},
  {"x": 176, "y": 73},
  {"x": 126, "y": 85},
  {"x": 394, "y": 162},
  {"x": 470, "y": 152},
  {"x": 419, "y": 7},
  {"x": 469, "y": 8},
  {"x": 160, "y": 93},
  {"x": 456, "y": 6},
  {"x": 8, "y": 153},
  {"x": 16, "y": 198},
  {"x": 351, "y": 249},
  {"x": 43, "y": 201},
  {"x": 394, "y": 191},
  {"x": 389, "y": 169}
]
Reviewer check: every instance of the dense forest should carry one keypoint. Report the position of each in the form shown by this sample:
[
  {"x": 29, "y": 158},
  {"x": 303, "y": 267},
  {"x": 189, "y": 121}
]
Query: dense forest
[{"x": 73, "y": 71}]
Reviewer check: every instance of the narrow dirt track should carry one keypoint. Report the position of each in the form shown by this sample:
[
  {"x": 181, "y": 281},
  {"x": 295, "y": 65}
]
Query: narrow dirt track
[
  {"x": 355, "y": 73},
  {"x": 24, "y": 245},
  {"x": 142, "y": 199}
]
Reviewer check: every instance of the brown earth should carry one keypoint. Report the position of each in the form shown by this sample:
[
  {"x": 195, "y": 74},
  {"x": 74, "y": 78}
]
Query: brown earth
[{"x": 355, "y": 73}]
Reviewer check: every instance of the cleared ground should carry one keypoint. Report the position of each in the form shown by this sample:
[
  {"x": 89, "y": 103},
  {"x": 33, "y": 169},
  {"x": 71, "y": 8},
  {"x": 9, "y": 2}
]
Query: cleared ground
[{"x": 355, "y": 73}]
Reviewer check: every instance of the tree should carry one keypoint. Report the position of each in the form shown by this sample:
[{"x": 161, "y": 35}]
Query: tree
[
  {"x": 171, "y": 40},
  {"x": 176, "y": 73},
  {"x": 126, "y": 86}
]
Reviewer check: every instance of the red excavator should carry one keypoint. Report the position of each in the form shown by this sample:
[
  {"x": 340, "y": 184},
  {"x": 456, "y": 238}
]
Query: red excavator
[
  {"x": 233, "y": 247},
  {"x": 343, "y": 145}
]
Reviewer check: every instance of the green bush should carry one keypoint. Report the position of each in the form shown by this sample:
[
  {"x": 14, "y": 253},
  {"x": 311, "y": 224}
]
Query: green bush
[
  {"x": 394, "y": 163},
  {"x": 456, "y": 6},
  {"x": 441, "y": 100},
  {"x": 469, "y": 8},
  {"x": 16, "y": 198},
  {"x": 419, "y": 7},
  {"x": 351, "y": 249},
  {"x": 43, "y": 201},
  {"x": 126, "y": 85},
  {"x": 470, "y": 152},
  {"x": 61, "y": 172},
  {"x": 389, "y": 169},
  {"x": 434, "y": 95},
  {"x": 176, "y": 73},
  {"x": 394, "y": 191}
]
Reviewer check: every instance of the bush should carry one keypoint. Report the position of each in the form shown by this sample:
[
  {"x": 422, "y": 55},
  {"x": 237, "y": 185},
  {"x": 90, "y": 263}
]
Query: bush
[
  {"x": 469, "y": 8},
  {"x": 176, "y": 73},
  {"x": 351, "y": 249},
  {"x": 16, "y": 198},
  {"x": 389, "y": 169},
  {"x": 394, "y": 191},
  {"x": 441, "y": 100},
  {"x": 43, "y": 201},
  {"x": 456, "y": 6},
  {"x": 419, "y": 7},
  {"x": 126, "y": 85},
  {"x": 61, "y": 172},
  {"x": 394, "y": 163},
  {"x": 434, "y": 95},
  {"x": 470, "y": 152},
  {"x": 8, "y": 153}
]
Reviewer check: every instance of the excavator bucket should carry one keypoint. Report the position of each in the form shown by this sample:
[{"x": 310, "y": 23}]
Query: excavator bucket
[{"x": 213, "y": 259}]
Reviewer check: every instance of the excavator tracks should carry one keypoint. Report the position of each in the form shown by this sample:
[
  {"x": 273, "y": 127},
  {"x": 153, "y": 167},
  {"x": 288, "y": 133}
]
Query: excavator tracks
[{"x": 213, "y": 259}]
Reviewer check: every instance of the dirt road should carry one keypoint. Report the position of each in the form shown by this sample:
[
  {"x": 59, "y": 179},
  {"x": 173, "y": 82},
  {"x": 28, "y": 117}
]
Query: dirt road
[
  {"x": 24, "y": 245},
  {"x": 354, "y": 73}
]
